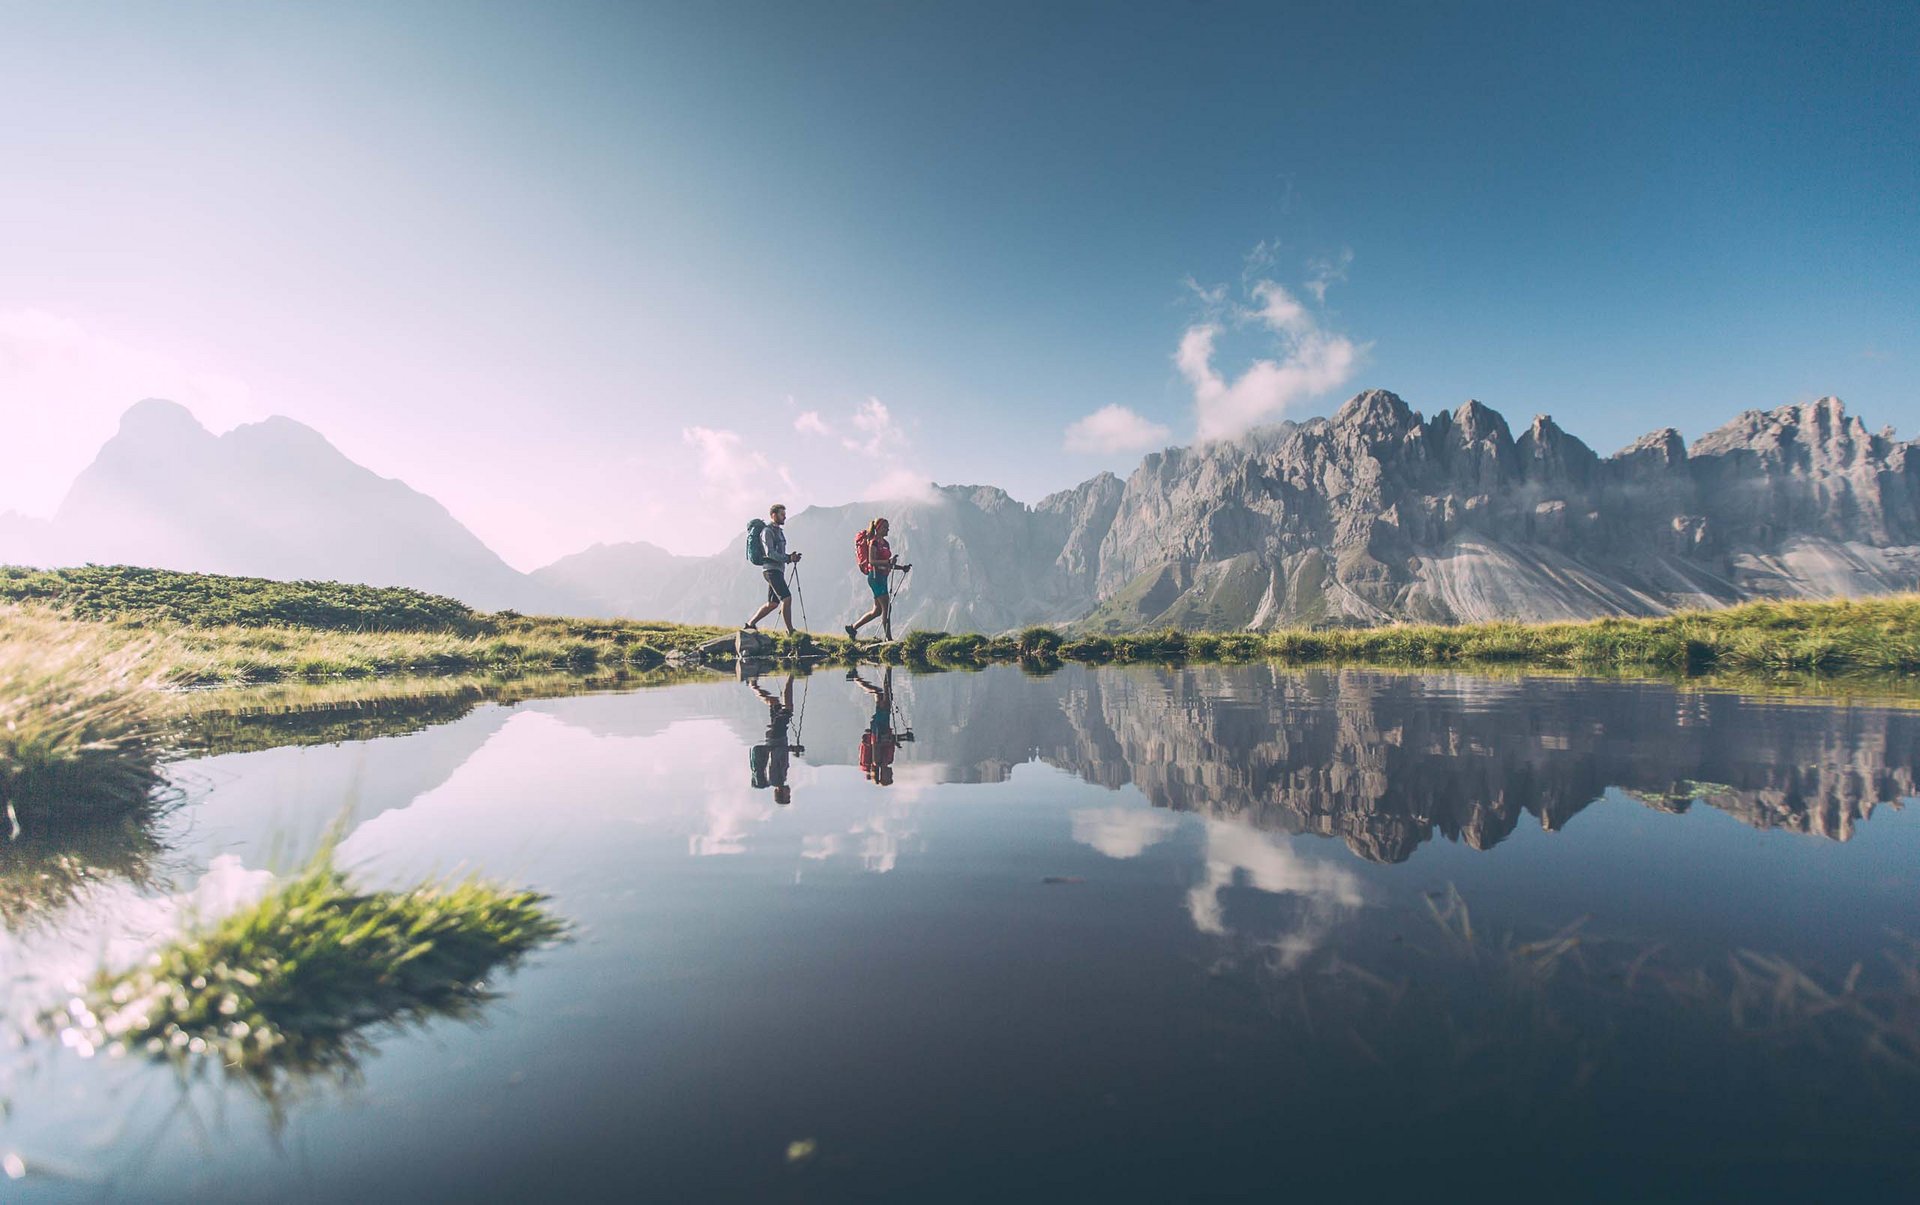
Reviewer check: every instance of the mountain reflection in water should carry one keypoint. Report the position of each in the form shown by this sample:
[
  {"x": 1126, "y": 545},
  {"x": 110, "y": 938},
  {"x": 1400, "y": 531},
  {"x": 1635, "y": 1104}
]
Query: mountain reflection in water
[
  {"x": 1083, "y": 928},
  {"x": 1385, "y": 760},
  {"x": 1382, "y": 760}
]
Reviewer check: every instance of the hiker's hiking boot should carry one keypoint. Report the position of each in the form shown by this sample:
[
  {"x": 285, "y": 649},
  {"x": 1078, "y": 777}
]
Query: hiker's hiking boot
[{"x": 853, "y": 633}]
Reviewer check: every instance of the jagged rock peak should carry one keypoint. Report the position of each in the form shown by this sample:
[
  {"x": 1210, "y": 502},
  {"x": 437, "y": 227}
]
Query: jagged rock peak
[
  {"x": 1376, "y": 410},
  {"x": 1552, "y": 450},
  {"x": 1664, "y": 446},
  {"x": 1811, "y": 424},
  {"x": 1476, "y": 422}
]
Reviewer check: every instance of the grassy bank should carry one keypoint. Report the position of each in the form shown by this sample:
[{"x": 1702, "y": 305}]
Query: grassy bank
[
  {"x": 80, "y": 729},
  {"x": 1878, "y": 635},
  {"x": 209, "y": 630}
]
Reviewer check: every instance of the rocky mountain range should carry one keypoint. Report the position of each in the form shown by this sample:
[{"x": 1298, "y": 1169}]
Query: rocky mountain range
[
  {"x": 1378, "y": 514},
  {"x": 1371, "y": 515}
]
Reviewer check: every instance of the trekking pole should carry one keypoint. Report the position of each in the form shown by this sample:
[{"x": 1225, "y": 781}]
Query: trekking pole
[{"x": 800, "y": 596}]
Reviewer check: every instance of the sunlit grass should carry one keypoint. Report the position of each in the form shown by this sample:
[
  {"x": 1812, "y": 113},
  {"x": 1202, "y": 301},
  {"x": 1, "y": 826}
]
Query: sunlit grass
[
  {"x": 207, "y": 630},
  {"x": 1874, "y": 635},
  {"x": 79, "y": 732},
  {"x": 290, "y": 980}
]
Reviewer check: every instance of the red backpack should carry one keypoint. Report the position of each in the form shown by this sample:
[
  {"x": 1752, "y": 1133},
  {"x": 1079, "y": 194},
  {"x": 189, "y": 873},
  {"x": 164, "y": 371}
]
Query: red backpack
[{"x": 860, "y": 551}]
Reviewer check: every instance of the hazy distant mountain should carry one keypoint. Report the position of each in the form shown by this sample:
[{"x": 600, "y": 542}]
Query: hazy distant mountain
[
  {"x": 1374, "y": 514},
  {"x": 269, "y": 499},
  {"x": 636, "y": 579},
  {"x": 982, "y": 562},
  {"x": 24, "y": 540}
]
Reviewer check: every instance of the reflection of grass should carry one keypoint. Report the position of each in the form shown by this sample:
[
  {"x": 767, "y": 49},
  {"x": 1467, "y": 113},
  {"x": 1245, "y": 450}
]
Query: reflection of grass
[
  {"x": 46, "y": 869},
  {"x": 1466, "y": 1012},
  {"x": 78, "y": 732},
  {"x": 292, "y": 981}
]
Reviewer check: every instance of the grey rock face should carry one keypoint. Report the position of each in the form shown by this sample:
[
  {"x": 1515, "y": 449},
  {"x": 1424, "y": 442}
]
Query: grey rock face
[{"x": 1374, "y": 515}]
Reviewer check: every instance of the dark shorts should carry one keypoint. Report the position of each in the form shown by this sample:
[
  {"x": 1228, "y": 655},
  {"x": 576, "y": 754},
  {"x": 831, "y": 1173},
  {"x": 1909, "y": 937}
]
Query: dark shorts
[
  {"x": 776, "y": 585},
  {"x": 877, "y": 582}
]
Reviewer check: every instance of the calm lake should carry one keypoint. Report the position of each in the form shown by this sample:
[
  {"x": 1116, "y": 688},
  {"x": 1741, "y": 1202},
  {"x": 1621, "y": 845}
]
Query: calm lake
[{"x": 1127, "y": 933}]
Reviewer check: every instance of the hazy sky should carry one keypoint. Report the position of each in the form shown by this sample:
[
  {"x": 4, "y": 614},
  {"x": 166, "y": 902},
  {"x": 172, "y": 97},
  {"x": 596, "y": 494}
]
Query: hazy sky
[{"x": 629, "y": 271}]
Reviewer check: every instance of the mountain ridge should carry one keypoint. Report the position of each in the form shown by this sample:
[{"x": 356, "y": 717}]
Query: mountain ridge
[
  {"x": 272, "y": 499},
  {"x": 1374, "y": 513}
]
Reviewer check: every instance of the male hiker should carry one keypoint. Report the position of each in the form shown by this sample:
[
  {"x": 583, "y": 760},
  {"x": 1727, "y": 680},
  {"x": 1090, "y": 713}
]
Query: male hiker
[
  {"x": 767, "y": 548},
  {"x": 768, "y": 761},
  {"x": 879, "y": 742},
  {"x": 875, "y": 559}
]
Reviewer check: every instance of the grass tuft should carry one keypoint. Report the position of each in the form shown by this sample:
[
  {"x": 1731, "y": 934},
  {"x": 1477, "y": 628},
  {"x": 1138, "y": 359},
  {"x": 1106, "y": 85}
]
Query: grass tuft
[
  {"x": 79, "y": 735},
  {"x": 286, "y": 982}
]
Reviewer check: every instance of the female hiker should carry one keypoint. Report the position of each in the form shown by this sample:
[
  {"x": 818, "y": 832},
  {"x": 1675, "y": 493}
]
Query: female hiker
[{"x": 875, "y": 559}]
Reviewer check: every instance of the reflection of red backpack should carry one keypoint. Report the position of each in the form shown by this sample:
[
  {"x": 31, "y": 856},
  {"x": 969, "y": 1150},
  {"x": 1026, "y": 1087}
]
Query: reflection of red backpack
[
  {"x": 860, "y": 556},
  {"x": 876, "y": 750}
]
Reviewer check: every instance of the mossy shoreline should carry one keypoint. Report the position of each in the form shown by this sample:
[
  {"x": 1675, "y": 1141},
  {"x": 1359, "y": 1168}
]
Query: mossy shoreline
[{"x": 208, "y": 630}]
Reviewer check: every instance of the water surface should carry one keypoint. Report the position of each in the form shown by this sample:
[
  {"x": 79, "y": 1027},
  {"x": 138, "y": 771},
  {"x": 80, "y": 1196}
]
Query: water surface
[{"x": 1150, "y": 933}]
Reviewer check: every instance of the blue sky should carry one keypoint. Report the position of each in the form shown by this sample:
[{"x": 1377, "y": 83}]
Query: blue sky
[{"x": 596, "y": 272}]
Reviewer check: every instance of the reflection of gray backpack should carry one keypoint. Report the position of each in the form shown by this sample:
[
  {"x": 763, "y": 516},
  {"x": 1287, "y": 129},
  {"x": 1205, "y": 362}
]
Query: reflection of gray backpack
[
  {"x": 758, "y": 762},
  {"x": 757, "y": 542}
]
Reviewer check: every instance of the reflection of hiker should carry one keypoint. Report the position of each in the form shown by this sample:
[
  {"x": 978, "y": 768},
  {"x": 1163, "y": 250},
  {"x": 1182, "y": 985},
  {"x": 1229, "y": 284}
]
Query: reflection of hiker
[
  {"x": 875, "y": 558},
  {"x": 767, "y": 548},
  {"x": 879, "y": 742},
  {"x": 769, "y": 758}
]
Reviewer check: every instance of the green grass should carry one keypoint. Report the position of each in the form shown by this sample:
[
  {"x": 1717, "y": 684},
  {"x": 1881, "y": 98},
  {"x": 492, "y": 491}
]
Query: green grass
[
  {"x": 80, "y": 733},
  {"x": 214, "y": 600},
  {"x": 289, "y": 981},
  {"x": 1875, "y": 635},
  {"x": 208, "y": 630}
]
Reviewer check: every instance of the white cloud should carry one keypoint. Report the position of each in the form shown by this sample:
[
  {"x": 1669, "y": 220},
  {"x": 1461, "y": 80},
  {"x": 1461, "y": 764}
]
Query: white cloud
[
  {"x": 63, "y": 388},
  {"x": 879, "y": 435},
  {"x": 1115, "y": 429},
  {"x": 1316, "y": 360},
  {"x": 1236, "y": 853},
  {"x": 1122, "y": 832},
  {"x": 1264, "y": 254},
  {"x": 900, "y": 485},
  {"x": 1281, "y": 311},
  {"x": 872, "y": 433},
  {"x": 1327, "y": 270},
  {"x": 733, "y": 474},
  {"x": 1212, "y": 298}
]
